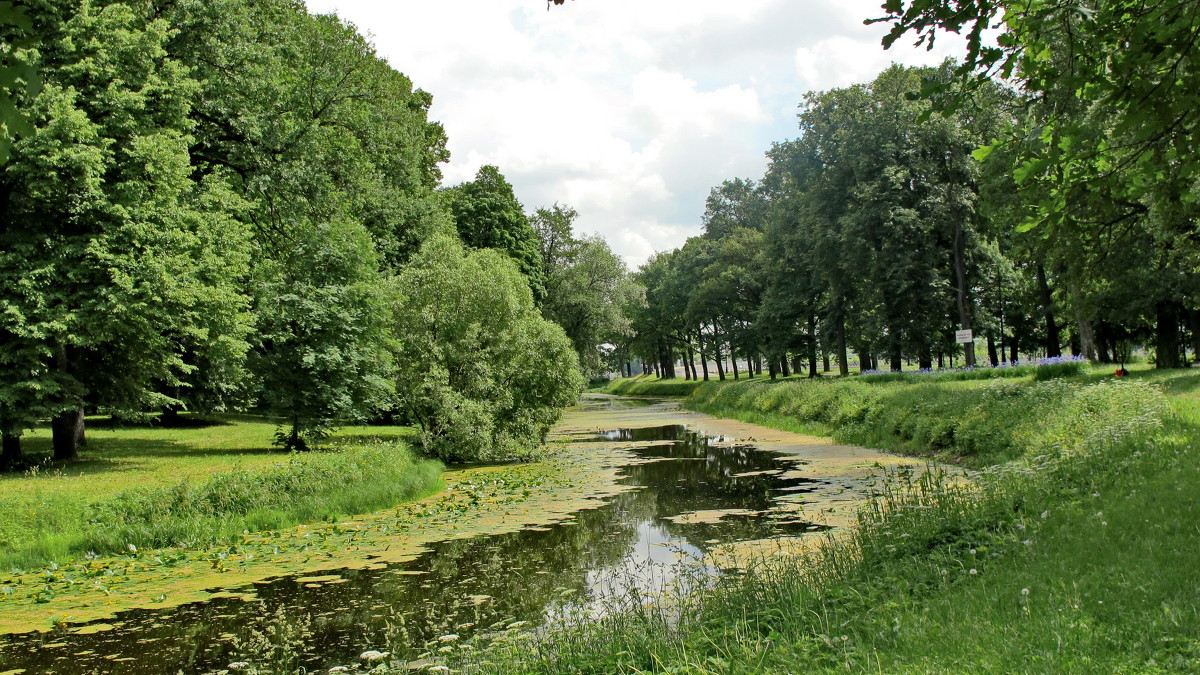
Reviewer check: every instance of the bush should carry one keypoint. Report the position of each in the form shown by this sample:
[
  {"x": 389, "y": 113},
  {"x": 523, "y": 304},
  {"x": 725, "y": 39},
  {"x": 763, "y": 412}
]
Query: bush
[{"x": 479, "y": 370}]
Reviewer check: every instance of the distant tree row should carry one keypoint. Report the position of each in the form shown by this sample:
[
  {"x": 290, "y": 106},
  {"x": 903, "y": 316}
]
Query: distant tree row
[
  {"x": 235, "y": 205},
  {"x": 880, "y": 233}
]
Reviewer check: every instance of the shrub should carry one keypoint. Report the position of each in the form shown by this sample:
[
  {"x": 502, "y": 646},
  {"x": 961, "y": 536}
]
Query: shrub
[{"x": 479, "y": 370}]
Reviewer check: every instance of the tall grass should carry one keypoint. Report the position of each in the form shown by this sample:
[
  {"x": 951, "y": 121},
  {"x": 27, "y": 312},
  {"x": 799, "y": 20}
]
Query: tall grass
[
  {"x": 299, "y": 488},
  {"x": 976, "y": 423},
  {"x": 1077, "y": 557}
]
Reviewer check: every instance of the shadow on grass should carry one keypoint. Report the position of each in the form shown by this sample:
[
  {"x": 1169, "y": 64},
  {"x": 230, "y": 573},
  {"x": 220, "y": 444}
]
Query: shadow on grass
[
  {"x": 109, "y": 455},
  {"x": 185, "y": 421},
  {"x": 368, "y": 438}
]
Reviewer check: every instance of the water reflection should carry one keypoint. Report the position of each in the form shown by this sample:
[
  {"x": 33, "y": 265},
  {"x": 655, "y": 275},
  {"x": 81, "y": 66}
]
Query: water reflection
[{"x": 689, "y": 495}]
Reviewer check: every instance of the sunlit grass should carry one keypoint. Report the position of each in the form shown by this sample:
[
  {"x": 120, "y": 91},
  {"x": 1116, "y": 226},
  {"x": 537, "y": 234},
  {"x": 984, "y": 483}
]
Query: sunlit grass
[
  {"x": 153, "y": 486},
  {"x": 1075, "y": 557}
]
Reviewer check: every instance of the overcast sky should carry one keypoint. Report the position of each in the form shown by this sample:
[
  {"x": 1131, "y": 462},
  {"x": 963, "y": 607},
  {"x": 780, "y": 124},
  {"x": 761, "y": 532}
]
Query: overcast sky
[{"x": 627, "y": 110}]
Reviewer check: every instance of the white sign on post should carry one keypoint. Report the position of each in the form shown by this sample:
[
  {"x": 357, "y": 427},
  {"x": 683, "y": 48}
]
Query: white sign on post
[{"x": 964, "y": 336}]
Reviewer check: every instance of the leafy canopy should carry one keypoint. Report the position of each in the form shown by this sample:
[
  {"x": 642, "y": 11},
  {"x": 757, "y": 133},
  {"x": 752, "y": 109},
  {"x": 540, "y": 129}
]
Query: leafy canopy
[{"x": 478, "y": 369}]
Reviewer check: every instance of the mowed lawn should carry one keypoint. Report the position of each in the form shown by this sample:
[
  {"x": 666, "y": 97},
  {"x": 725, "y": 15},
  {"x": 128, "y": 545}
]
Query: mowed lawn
[{"x": 119, "y": 458}]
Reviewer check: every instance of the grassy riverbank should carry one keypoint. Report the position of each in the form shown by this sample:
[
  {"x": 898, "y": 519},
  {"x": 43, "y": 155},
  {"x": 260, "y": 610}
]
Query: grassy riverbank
[
  {"x": 1074, "y": 552},
  {"x": 206, "y": 481}
]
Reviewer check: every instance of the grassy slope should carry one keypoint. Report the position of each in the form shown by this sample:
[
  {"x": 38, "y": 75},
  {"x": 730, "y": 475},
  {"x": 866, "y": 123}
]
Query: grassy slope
[
  {"x": 135, "y": 484},
  {"x": 1084, "y": 564}
]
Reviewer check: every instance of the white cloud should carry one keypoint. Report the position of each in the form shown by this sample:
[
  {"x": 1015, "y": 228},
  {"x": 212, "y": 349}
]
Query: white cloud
[{"x": 628, "y": 111}]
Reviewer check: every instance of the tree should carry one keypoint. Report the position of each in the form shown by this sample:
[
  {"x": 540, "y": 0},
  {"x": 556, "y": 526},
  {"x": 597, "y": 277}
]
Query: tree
[
  {"x": 478, "y": 369},
  {"x": 107, "y": 260},
  {"x": 323, "y": 354},
  {"x": 333, "y": 157},
  {"x": 587, "y": 287},
  {"x": 1108, "y": 140},
  {"x": 555, "y": 232},
  {"x": 488, "y": 215},
  {"x": 733, "y": 204}
]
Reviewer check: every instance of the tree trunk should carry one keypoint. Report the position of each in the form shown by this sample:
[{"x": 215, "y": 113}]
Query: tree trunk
[
  {"x": 960, "y": 275},
  {"x": 925, "y": 359},
  {"x": 10, "y": 450},
  {"x": 1087, "y": 339},
  {"x": 170, "y": 416},
  {"x": 771, "y": 368},
  {"x": 991, "y": 349},
  {"x": 1166, "y": 334},
  {"x": 783, "y": 366},
  {"x": 1194, "y": 324},
  {"x": 1053, "y": 338},
  {"x": 843, "y": 364},
  {"x": 719, "y": 358},
  {"x": 1103, "y": 344},
  {"x": 733, "y": 360},
  {"x": 894, "y": 353},
  {"x": 941, "y": 360},
  {"x": 825, "y": 363},
  {"x": 812, "y": 347},
  {"x": 67, "y": 429},
  {"x": 703, "y": 354}
]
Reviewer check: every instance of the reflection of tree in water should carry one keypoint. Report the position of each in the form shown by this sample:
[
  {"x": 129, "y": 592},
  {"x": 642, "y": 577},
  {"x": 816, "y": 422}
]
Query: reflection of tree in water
[
  {"x": 460, "y": 586},
  {"x": 710, "y": 478}
]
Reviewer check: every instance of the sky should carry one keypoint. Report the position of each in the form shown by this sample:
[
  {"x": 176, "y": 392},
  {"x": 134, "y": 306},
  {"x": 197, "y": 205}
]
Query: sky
[{"x": 629, "y": 111}]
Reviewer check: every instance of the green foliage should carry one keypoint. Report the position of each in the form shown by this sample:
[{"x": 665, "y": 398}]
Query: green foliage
[
  {"x": 488, "y": 215},
  {"x": 138, "y": 279},
  {"x": 479, "y": 370},
  {"x": 323, "y": 355},
  {"x": 19, "y": 79},
  {"x": 588, "y": 288},
  {"x": 734, "y": 204}
]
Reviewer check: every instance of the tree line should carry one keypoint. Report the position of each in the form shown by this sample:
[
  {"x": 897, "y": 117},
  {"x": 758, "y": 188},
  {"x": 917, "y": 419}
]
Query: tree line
[
  {"x": 929, "y": 201},
  {"x": 237, "y": 205}
]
